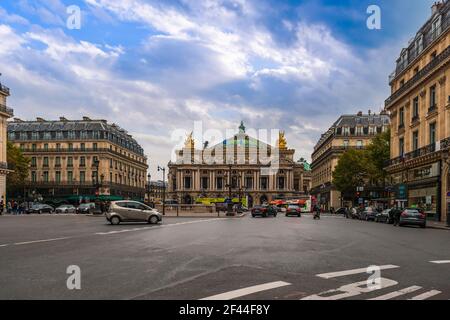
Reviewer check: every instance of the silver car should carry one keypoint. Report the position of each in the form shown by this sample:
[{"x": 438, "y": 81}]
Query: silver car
[
  {"x": 66, "y": 208},
  {"x": 131, "y": 211}
]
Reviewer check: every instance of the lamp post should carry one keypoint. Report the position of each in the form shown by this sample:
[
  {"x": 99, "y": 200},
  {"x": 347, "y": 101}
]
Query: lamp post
[
  {"x": 164, "y": 188},
  {"x": 149, "y": 178},
  {"x": 229, "y": 185}
]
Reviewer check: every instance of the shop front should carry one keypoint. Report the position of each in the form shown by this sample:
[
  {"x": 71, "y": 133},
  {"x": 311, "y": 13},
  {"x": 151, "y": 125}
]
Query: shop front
[{"x": 424, "y": 189}]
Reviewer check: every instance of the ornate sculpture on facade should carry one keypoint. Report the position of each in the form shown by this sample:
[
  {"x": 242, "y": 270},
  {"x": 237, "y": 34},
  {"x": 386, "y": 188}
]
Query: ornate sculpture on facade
[
  {"x": 282, "y": 142},
  {"x": 189, "y": 143}
]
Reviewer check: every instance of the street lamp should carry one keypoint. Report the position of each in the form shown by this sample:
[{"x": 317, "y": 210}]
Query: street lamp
[
  {"x": 164, "y": 188},
  {"x": 149, "y": 178}
]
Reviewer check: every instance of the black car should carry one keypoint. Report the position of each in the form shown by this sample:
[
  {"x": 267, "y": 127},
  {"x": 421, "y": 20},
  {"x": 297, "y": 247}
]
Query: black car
[
  {"x": 413, "y": 216},
  {"x": 368, "y": 214},
  {"x": 264, "y": 211},
  {"x": 86, "y": 208},
  {"x": 40, "y": 208},
  {"x": 384, "y": 216},
  {"x": 342, "y": 211}
]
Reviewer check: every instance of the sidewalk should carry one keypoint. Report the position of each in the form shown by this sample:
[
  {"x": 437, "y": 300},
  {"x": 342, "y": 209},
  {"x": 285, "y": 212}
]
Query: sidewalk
[{"x": 437, "y": 225}]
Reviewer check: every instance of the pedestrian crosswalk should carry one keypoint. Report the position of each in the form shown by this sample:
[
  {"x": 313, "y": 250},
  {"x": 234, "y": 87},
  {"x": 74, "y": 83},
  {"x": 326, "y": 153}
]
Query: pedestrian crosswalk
[{"x": 363, "y": 289}]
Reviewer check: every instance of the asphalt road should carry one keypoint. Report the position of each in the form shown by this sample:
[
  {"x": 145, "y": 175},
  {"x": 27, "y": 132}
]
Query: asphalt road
[{"x": 240, "y": 258}]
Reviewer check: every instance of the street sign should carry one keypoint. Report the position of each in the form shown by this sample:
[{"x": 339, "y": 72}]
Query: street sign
[{"x": 402, "y": 191}]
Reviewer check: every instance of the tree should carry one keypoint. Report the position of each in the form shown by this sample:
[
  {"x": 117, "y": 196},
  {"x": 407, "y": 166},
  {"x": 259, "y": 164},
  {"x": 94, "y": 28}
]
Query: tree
[
  {"x": 378, "y": 153},
  {"x": 351, "y": 171},
  {"x": 19, "y": 164}
]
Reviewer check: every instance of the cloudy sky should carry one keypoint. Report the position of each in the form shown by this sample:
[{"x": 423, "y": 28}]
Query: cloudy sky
[{"x": 155, "y": 67}]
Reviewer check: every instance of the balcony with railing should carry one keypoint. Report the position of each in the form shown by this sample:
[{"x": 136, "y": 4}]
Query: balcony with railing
[
  {"x": 5, "y": 109},
  {"x": 444, "y": 55},
  {"x": 429, "y": 149},
  {"x": 4, "y": 89}
]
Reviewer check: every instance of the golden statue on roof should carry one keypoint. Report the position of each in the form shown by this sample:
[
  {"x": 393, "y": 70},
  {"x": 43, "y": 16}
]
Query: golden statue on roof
[
  {"x": 189, "y": 143},
  {"x": 282, "y": 142}
]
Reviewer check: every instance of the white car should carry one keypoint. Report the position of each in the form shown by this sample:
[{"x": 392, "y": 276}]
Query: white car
[{"x": 66, "y": 208}]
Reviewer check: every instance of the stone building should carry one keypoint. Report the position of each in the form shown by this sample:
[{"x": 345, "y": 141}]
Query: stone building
[
  {"x": 80, "y": 159},
  {"x": 419, "y": 106},
  {"x": 348, "y": 132},
  {"x": 5, "y": 114},
  {"x": 237, "y": 168}
]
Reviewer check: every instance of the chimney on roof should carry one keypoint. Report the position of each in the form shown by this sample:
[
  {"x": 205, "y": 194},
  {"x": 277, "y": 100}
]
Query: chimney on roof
[
  {"x": 360, "y": 114},
  {"x": 39, "y": 119},
  {"x": 86, "y": 118},
  {"x": 370, "y": 112},
  {"x": 18, "y": 120},
  {"x": 435, "y": 7},
  {"x": 62, "y": 119}
]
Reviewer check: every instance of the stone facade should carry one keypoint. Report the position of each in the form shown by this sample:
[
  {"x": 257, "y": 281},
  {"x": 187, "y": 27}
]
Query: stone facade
[
  {"x": 235, "y": 167},
  {"x": 419, "y": 106},
  {"x": 348, "y": 132},
  {"x": 80, "y": 158},
  {"x": 5, "y": 114}
]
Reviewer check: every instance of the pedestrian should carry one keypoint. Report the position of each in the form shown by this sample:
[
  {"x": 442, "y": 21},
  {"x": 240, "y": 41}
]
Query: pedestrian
[
  {"x": 15, "y": 207},
  {"x": 8, "y": 207},
  {"x": 396, "y": 216},
  {"x": 1, "y": 207}
]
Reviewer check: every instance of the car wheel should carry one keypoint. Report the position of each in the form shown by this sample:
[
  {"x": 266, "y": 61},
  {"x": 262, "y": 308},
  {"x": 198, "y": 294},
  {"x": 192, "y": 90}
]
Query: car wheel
[
  {"x": 115, "y": 220},
  {"x": 153, "y": 220},
  {"x": 253, "y": 216}
]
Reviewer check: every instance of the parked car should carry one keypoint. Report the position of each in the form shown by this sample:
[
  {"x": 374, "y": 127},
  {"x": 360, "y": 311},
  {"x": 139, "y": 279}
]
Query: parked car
[
  {"x": 86, "y": 208},
  {"x": 413, "y": 216},
  {"x": 264, "y": 211},
  {"x": 368, "y": 214},
  {"x": 66, "y": 208},
  {"x": 342, "y": 211},
  {"x": 384, "y": 216},
  {"x": 132, "y": 211},
  {"x": 293, "y": 210},
  {"x": 40, "y": 208}
]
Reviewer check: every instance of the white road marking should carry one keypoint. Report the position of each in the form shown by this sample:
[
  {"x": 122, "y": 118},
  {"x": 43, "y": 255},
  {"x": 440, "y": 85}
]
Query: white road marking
[
  {"x": 39, "y": 241},
  {"x": 350, "y": 290},
  {"x": 4, "y": 245},
  {"x": 397, "y": 293},
  {"x": 426, "y": 295},
  {"x": 246, "y": 291},
  {"x": 441, "y": 261},
  {"x": 154, "y": 227},
  {"x": 351, "y": 272}
]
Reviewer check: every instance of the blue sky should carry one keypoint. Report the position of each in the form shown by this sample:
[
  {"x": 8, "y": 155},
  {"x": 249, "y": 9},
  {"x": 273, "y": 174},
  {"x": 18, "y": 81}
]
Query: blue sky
[{"x": 155, "y": 67}]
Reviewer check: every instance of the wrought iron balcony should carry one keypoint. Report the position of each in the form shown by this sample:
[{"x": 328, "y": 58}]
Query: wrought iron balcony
[
  {"x": 4, "y": 89},
  {"x": 444, "y": 55},
  {"x": 429, "y": 149},
  {"x": 6, "y": 110}
]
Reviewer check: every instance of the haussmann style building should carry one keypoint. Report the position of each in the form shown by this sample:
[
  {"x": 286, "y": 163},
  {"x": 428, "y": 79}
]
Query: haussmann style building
[
  {"x": 80, "y": 160},
  {"x": 419, "y": 106},
  {"x": 5, "y": 114},
  {"x": 348, "y": 132},
  {"x": 237, "y": 171}
]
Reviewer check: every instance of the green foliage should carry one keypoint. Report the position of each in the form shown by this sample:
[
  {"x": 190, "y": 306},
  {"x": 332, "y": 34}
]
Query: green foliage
[
  {"x": 19, "y": 164},
  {"x": 350, "y": 171},
  {"x": 361, "y": 167}
]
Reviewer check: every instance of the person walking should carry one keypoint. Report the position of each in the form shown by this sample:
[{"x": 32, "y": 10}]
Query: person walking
[
  {"x": 396, "y": 215},
  {"x": 1, "y": 207}
]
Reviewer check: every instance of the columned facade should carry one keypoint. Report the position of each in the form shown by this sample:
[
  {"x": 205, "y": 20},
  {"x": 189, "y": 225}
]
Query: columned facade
[{"x": 239, "y": 174}]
